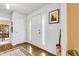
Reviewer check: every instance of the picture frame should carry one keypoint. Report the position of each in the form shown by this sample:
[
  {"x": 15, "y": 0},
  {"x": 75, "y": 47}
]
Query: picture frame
[{"x": 54, "y": 16}]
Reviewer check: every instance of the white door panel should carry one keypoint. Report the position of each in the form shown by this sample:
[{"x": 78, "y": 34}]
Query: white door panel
[
  {"x": 36, "y": 27},
  {"x": 18, "y": 34}
]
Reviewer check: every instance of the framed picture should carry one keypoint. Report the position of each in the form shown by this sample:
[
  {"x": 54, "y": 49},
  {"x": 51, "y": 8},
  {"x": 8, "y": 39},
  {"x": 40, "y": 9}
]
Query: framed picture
[{"x": 54, "y": 16}]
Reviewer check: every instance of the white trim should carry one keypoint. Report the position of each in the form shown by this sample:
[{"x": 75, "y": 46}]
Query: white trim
[
  {"x": 64, "y": 29},
  {"x": 30, "y": 30},
  {"x": 43, "y": 29}
]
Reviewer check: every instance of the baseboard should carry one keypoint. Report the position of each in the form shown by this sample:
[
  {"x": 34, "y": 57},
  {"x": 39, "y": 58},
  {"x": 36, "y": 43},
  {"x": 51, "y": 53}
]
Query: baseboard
[
  {"x": 18, "y": 43},
  {"x": 3, "y": 43}
]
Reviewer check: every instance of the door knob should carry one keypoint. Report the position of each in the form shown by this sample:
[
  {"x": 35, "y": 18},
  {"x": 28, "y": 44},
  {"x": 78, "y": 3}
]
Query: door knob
[{"x": 39, "y": 32}]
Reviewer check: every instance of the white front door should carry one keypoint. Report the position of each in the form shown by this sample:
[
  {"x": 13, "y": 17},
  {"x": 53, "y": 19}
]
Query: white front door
[{"x": 36, "y": 29}]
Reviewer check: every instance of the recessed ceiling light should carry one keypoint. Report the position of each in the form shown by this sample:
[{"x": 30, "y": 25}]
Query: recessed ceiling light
[{"x": 8, "y": 6}]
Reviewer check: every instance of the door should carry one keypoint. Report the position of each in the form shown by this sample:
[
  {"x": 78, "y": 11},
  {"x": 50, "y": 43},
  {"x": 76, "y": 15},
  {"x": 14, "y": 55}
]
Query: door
[
  {"x": 18, "y": 35},
  {"x": 36, "y": 29}
]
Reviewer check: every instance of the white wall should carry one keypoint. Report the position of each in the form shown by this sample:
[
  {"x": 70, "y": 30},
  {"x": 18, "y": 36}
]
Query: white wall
[
  {"x": 18, "y": 35},
  {"x": 51, "y": 30}
]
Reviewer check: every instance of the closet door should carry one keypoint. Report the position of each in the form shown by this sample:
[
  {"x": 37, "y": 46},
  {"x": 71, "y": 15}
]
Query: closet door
[{"x": 36, "y": 29}]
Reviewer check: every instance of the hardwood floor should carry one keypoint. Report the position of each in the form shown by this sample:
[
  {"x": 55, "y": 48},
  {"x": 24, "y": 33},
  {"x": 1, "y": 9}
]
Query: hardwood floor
[
  {"x": 31, "y": 48},
  {"x": 5, "y": 47}
]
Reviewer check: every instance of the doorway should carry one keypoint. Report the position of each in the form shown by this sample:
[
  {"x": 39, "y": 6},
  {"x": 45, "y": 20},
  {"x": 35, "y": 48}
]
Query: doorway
[{"x": 4, "y": 31}]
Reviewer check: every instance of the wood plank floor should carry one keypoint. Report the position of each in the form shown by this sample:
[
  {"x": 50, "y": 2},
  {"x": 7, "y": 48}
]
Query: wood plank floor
[{"x": 31, "y": 48}]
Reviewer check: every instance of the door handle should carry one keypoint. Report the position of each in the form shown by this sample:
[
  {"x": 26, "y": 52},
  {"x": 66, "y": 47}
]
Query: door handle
[{"x": 38, "y": 32}]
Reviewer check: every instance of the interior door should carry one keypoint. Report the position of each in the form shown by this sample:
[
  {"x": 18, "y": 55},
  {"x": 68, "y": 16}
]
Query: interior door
[
  {"x": 18, "y": 35},
  {"x": 36, "y": 29}
]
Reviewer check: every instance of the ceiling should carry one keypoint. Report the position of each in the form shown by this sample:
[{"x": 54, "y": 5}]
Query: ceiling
[{"x": 24, "y": 8}]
